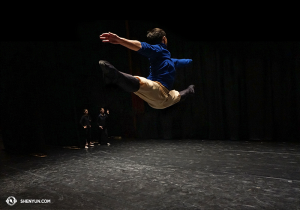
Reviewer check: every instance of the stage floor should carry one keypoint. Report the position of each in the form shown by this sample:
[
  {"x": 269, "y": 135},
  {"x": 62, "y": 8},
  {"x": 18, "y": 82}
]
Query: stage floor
[{"x": 156, "y": 174}]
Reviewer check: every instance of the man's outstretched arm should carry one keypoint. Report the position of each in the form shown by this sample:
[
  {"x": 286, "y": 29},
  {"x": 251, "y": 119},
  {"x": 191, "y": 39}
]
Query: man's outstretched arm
[
  {"x": 115, "y": 39},
  {"x": 179, "y": 63}
]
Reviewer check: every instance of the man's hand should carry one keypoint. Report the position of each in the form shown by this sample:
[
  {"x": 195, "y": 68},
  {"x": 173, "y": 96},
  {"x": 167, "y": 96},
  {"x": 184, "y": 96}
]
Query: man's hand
[
  {"x": 110, "y": 37},
  {"x": 107, "y": 111},
  {"x": 84, "y": 126},
  {"x": 115, "y": 39},
  {"x": 100, "y": 127},
  {"x": 90, "y": 126}
]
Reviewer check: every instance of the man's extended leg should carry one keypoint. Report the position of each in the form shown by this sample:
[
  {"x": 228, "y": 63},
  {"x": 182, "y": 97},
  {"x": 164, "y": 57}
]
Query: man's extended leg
[{"x": 126, "y": 81}]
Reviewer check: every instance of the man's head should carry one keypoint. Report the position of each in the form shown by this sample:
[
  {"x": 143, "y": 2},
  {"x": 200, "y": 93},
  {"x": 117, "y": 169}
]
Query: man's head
[
  {"x": 157, "y": 36},
  {"x": 102, "y": 110},
  {"x": 85, "y": 111}
]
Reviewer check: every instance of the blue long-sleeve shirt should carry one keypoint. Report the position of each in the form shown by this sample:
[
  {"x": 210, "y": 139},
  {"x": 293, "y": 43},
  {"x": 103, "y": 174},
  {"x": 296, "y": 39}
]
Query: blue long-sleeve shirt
[{"x": 162, "y": 66}]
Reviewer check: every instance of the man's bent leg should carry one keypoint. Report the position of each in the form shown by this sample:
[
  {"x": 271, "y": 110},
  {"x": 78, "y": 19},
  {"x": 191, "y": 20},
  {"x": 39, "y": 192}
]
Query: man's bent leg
[{"x": 156, "y": 95}]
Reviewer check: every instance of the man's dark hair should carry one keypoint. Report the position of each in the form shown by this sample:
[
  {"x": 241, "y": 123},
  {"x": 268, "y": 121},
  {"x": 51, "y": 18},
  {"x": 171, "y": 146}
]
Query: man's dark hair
[{"x": 155, "y": 35}]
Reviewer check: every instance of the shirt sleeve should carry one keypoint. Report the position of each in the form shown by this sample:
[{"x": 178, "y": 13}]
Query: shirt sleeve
[
  {"x": 149, "y": 50},
  {"x": 179, "y": 63}
]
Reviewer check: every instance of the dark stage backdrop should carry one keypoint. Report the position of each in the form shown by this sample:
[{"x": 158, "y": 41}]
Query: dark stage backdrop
[{"x": 245, "y": 88}]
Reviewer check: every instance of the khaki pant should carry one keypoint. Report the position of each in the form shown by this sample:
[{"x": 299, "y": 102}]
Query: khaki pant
[{"x": 155, "y": 94}]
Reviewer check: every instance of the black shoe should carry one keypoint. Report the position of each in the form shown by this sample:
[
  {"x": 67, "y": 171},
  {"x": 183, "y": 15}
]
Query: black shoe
[
  {"x": 109, "y": 72},
  {"x": 187, "y": 92}
]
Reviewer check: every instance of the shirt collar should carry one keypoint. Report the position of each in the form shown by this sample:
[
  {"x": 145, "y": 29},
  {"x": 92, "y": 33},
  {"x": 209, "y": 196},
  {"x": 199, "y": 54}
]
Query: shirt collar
[{"x": 163, "y": 45}]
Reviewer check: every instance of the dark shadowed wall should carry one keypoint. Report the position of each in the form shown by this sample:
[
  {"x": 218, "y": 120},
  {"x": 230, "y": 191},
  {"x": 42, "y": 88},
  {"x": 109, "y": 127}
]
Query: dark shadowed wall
[{"x": 245, "y": 88}]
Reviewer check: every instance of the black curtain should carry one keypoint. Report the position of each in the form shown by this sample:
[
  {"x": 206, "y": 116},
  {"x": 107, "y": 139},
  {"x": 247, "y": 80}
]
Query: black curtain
[
  {"x": 244, "y": 89},
  {"x": 50, "y": 75}
]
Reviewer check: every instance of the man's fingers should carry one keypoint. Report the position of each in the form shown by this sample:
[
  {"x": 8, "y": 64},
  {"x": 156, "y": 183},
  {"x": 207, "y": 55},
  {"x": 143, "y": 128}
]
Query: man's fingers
[
  {"x": 103, "y": 37},
  {"x": 105, "y": 34}
]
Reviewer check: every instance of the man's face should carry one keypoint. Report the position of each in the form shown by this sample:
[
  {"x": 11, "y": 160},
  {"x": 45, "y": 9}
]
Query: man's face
[
  {"x": 86, "y": 111},
  {"x": 102, "y": 110}
]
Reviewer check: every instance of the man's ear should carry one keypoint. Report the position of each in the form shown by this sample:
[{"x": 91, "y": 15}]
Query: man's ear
[{"x": 164, "y": 40}]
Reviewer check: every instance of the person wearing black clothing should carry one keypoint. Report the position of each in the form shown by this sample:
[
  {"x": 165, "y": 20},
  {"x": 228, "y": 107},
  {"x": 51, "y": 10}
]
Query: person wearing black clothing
[
  {"x": 85, "y": 121},
  {"x": 101, "y": 121}
]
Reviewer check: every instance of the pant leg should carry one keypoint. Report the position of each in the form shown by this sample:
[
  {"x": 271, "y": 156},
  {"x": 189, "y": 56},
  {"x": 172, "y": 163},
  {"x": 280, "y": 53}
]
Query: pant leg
[
  {"x": 155, "y": 94},
  {"x": 106, "y": 134},
  {"x": 84, "y": 137},
  {"x": 88, "y": 135},
  {"x": 100, "y": 136},
  {"x": 104, "y": 137},
  {"x": 125, "y": 81}
]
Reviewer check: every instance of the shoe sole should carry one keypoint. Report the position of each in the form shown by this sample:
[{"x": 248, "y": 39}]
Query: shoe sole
[
  {"x": 103, "y": 65},
  {"x": 105, "y": 70}
]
